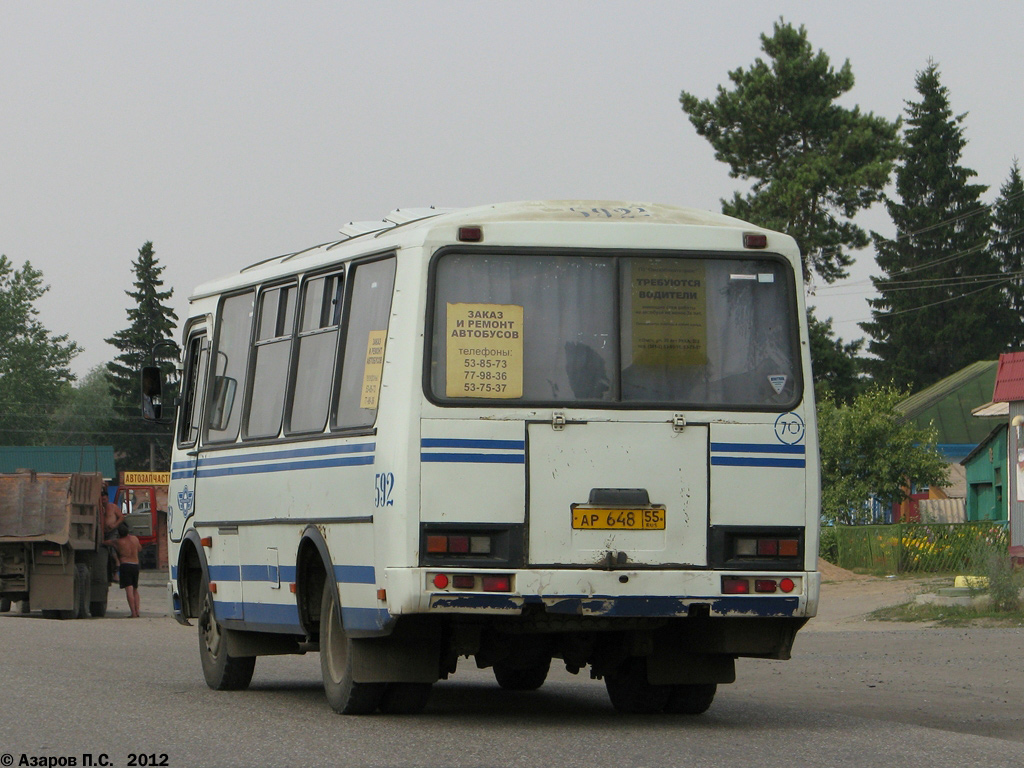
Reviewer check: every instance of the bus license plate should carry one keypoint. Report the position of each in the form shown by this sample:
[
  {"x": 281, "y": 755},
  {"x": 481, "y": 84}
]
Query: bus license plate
[{"x": 604, "y": 519}]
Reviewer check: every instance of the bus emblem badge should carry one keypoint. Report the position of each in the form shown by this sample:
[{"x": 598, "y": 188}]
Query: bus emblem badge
[{"x": 185, "y": 497}]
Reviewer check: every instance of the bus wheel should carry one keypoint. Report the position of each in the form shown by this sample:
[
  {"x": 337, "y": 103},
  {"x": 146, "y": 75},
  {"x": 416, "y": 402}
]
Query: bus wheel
[
  {"x": 345, "y": 696},
  {"x": 405, "y": 698},
  {"x": 691, "y": 699},
  {"x": 222, "y": 672},
  {"x": 630, "y": 692},
  {"x": 522, "y": 679}
]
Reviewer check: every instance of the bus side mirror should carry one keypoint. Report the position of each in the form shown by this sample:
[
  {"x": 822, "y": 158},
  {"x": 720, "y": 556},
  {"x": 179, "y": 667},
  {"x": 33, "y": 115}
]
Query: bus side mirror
[
  {"x": 152, "y": 398},
  {"x": 222, "y": 402}
]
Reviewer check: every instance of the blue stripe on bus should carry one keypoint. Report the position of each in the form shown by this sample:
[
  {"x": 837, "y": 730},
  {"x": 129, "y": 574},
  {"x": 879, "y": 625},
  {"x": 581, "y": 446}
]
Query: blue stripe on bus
[
  {"x": 752, "y": 461},
  {"x": 259, "y": 469},
  {"x": 365, "y": 618},
  {"x": 624, "y": 606},
  {"x": 327, "y": 450},
  {"x": 287, "y": 616},
  {"x": 757, "y": 448},
  {"x": 355, "y": 574},
  {"x": 224, "y": 609},
  {"x": 258, "y": 463},
  {"x": 453, "y": 442},
  {"x": 224, "y": 573},
  {"x": 271, "y": 613},
  {"x": 474, "y": 458},
  {"x": 344, "y": 574}
]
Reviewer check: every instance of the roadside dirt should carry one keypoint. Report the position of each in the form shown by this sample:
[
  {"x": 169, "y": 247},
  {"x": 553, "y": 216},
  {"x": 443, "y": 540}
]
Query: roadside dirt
[{"x": 847, "y": 598}]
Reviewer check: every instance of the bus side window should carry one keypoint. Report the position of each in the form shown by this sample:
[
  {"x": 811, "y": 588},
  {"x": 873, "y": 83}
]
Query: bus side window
[
  {"x": 195, "y": 380},
  {"x": 372, "y": 284},
  {"x": 271, "y": 351},
  {"x": 315, "y": 353},
  {"x": 230, "y": 361}
]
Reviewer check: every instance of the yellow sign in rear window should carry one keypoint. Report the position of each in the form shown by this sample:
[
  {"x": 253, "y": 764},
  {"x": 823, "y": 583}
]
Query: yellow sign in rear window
[
  {"x": 485, "y": 351},
  {"x": 669, "y": 312}
]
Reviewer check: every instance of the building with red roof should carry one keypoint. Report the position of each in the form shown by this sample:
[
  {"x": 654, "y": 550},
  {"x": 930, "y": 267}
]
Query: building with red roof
[{"x": 1009, "y": 389}]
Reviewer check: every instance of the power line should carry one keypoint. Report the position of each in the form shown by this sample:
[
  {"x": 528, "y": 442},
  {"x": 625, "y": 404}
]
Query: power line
[{"x": 884, "y": 315}]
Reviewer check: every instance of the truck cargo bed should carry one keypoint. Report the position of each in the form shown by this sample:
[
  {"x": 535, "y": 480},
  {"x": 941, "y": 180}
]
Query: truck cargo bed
[{"x": 58, "y": 508}]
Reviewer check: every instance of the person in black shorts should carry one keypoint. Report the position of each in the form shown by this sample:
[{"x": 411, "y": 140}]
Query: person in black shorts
[{"x": 128, "y": 548}]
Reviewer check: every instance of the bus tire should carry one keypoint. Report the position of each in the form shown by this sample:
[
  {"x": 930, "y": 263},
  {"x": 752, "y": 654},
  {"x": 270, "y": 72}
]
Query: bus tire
[
  {"x": 691, "y": 699},
  {"x": 5, "y": 604},
  {"x": 521, "y": 679},
  {"x": 221, "y": 671},
  {"x": 345, "y": 695},
  {"x": 631, "y": 693},
  {"x": 405, "y": 698}
]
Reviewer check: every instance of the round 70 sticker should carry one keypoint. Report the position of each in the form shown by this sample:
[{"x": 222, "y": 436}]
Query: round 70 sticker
[{"x": 789, "y": 428}]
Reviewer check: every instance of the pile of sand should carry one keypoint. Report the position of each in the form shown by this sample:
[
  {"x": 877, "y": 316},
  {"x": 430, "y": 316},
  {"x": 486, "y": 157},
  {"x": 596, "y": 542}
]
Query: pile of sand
[{"x": 831, "y": 572}]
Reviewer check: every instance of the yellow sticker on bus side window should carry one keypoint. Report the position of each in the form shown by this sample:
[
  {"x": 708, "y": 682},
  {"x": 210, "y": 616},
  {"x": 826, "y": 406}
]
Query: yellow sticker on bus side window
[
  {"x": 669, "y": 313},
  {"x": 485, "y": 351},
  {"x": 372, "y": 369}
]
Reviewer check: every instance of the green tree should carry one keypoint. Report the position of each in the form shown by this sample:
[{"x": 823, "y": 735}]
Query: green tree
[
  {"x": 838, "y": 368},
  {"x": 1008, "y": 249},
  {"x": 940, "y": 306},
  {"x": 34, "y": 364},
  {"x": 85, "y": 413},
  {"x": 869, "y": 451},
  {"x": 813, "y": 163},
  {"x": 139, "y": 444}
]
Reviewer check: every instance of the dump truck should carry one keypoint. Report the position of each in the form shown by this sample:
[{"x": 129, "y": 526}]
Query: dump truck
[{"x": 52, "y": 555}]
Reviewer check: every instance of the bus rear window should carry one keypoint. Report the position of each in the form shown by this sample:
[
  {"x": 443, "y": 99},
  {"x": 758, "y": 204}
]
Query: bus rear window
[{"x": 623, "y": 330}]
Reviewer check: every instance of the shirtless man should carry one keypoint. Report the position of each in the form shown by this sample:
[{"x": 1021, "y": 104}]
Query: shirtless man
[
  {"x": 111, "y": 515},
  {"x": 128, "y": 548},
  {"x": 112, "y": 518}
]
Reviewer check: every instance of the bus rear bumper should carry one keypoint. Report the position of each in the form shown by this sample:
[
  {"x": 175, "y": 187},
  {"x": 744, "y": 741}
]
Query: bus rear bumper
[{"x": 607, "y": 594}]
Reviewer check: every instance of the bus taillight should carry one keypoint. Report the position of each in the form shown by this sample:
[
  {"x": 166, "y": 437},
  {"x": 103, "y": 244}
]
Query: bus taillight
[{"x": 731, "y": 585}]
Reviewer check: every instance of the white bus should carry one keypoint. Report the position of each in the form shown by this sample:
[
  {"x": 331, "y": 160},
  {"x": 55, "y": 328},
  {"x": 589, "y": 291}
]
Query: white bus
[{"x": 581, "y": 431}]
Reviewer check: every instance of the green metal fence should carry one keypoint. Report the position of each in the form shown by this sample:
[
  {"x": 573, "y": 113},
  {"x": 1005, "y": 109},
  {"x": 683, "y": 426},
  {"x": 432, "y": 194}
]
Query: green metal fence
[{"x": 917, "y": 547}]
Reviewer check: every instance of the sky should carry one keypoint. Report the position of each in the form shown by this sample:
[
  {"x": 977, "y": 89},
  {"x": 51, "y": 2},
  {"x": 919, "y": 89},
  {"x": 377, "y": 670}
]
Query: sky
[{"x": 230, "y": 132}]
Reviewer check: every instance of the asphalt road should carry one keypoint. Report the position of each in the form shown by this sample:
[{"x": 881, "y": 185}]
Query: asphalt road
[{"x": 855, "y": 694}]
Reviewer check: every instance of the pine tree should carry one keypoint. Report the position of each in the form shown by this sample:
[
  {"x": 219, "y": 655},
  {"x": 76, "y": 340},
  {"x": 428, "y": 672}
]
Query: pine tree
[
  {"x": 813, "y": 163},
  {"x": 151, "y": 322},
  {"x": 1008, "y": 248},
  {"x": 837, "y": 365},
  {"x": 940, "y": 308}
]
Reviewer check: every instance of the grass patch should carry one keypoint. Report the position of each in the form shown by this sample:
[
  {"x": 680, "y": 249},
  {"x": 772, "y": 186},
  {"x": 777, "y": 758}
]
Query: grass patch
[{"x": 949, "y": 615}]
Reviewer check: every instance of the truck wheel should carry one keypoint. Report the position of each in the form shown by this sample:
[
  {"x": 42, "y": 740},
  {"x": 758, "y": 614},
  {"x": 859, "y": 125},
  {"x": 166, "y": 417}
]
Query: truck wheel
[
  {"x": 98, "y": 608},
  {"x": 630, "y": 692},
  {"x": 77, "y": 599},
  {"x": 83, "y": 577},
  {"x": 222, "y": 672},
  {"x": 5, "y": 604},
  {"x": 25, "y": 607},
  {"x": 522, "y": 679},
  {"x": 691, "y": 699},
  {"x": 345, "y": 696}
]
